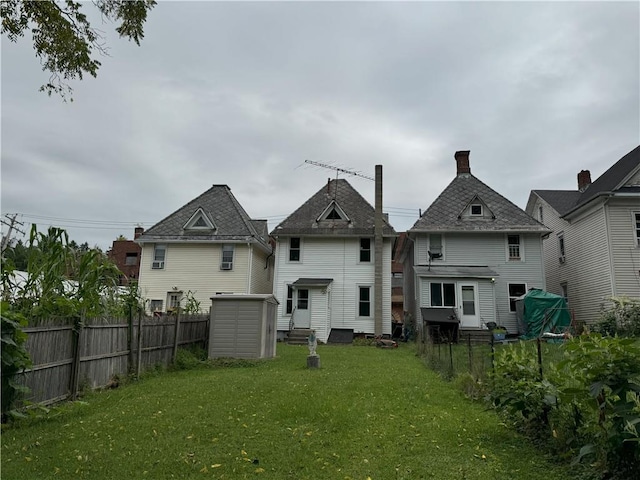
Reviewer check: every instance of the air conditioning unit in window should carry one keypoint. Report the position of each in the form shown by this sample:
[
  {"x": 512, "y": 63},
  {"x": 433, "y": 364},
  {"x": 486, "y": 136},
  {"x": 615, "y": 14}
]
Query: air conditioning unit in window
[
  {"x": 562, "y": 259},
  {"x": 226, "y": 265},
  {"x": 157, "y": 265}
]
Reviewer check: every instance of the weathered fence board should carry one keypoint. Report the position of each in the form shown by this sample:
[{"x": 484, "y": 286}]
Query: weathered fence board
[{"x": 106, "y": 349}]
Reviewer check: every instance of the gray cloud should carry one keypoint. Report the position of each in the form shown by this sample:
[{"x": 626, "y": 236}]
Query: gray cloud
[{"x": 243, "y": 93}]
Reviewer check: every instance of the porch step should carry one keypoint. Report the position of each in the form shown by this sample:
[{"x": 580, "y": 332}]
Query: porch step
[{"x": 298, "y": 336}]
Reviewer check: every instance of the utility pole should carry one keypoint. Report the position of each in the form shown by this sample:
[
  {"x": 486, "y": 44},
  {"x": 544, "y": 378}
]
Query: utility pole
[{"x": 12, "y": 226}]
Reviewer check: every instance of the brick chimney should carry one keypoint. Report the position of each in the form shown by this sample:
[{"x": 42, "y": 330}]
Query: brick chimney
[
  {"x": 584, "y": 180},
  {"x": 462, "y": 161},
  {"x": 137, "y": 232}
]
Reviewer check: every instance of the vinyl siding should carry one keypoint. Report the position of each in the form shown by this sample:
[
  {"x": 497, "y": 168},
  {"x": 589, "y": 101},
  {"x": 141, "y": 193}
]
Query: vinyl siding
[
  {"x": 194, "y": 267},
  {"x": 338, "y": 259},
  {"x": 587, "y": 264},
  {"x": 261, "y": 278},
  {"x": 235, "y": 329},
  {"x": 625, "y": 252},
  {"x": 489, "y": 249}
]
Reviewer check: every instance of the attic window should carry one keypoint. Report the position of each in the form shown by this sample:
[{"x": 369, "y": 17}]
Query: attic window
[
  {"x": 333, "y": 212},
  {"x": 199, "y": 221},
  {"x": 476, "y": 210}
]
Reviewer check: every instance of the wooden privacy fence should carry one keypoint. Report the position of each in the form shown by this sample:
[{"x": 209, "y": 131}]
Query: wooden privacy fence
[{"x": 66, "y": 360}]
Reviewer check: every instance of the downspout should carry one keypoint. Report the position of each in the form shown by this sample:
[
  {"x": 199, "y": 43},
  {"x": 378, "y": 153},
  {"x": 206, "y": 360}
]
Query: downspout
[{"x": 249, "y": 270}]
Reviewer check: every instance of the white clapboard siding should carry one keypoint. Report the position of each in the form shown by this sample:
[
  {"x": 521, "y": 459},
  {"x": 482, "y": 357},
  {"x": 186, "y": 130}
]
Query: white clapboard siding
[
  {"x": 194, "y": 267},
  {"x": 261, "y": 278},
  {"x": 338, "y": 259},
  {"x": 625, "y": 251}
]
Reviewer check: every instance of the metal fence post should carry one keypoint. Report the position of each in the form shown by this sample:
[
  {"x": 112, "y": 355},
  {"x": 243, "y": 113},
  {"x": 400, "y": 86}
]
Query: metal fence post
[
  {"x": 130, "y": 340},
  {"x": 75, "y": 365},
  {"x": 139, "y": 360}
]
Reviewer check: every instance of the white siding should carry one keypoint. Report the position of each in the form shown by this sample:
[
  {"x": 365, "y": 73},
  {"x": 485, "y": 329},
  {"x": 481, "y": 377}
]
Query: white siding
[
  {"x": 489, "y": 249},
  {"x": 261, "y": 277},
  {"x": 194, "y": 267},
  {"x": 625, "y": 252},
  {"x": 338, "y": 259},
  {"x": 587, "y": 265}
]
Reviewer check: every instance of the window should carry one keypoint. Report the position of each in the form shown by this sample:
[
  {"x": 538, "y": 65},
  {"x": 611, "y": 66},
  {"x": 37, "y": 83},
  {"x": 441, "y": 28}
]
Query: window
[
  {"x": 443, "y": 294},
  {"x": 561, "y": 246},
  {"x": 173, "y": 302},
  {"x": 540, "y": 217},
  {"x": 513, "y": 243},
  {"x": 333, "y": 215},
  {"x": 636, "y": 216},
  {"x": 303, "y": 299},
  {"x": 565, "y": 291},
  {"x": 294, "y": 249},
  {"x": 159, "y": 254},
  {"x": 435, "y": 246},
  {"x": 289, "y": 308},
  {"x": 155, "y": 306},
  {"x": 476, "y": 210},
  {"x": 131, "y": 258},
  {"x": 364, "y": 302},
  {"x": 516, "y": 290},
  {"x": 227, "y": 257},
  {"x": 365, "y": 249}
]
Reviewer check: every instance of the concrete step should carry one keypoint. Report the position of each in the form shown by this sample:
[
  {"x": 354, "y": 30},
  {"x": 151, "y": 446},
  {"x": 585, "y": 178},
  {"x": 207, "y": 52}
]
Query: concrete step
[{"x": 298, "y": 336}]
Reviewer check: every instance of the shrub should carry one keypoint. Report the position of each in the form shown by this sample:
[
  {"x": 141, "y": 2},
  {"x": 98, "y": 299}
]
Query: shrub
[
  {"x": 189, "y": 358},
  {"x": 15, "y": 359},
  {"x": 621, "y": 318}
]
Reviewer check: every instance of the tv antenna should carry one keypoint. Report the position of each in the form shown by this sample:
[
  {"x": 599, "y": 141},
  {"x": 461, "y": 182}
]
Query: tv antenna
[{"x": 340, "y": 170}]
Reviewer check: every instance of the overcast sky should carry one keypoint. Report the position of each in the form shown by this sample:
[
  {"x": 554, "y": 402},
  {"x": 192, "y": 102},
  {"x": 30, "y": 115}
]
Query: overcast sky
[{"x": 242, "y": 93}]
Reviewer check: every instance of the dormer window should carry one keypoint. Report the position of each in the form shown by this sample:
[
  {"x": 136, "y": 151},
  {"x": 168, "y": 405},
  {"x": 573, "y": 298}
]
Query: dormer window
[
  {"x": 199, "y": 221},
  {"x": 476, "y": 210},
  {"x": 333, "y": 212}
]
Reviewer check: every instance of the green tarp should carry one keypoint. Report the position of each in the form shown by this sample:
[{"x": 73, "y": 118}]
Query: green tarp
[{"x": 539, "y": 312}]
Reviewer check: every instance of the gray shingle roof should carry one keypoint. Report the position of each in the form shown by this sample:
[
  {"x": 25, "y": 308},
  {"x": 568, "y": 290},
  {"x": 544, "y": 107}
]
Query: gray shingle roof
[
  {"x": 444, "y": 214},
  {"x": 565, "y": 201},
  {"x": 360, "y": 213},
  {"x": 219, "y": 205}
]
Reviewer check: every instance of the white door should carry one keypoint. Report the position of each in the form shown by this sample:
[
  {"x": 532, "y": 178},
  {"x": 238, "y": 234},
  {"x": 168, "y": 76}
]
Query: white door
[
  {"x": 468, "y": 305},
  {"x": 302, "y": 315}
]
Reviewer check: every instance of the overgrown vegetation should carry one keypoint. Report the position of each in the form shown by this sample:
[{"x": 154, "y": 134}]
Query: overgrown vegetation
[
  {"x": 621, "y": 318},
  {"x": 15, "y": 360}
]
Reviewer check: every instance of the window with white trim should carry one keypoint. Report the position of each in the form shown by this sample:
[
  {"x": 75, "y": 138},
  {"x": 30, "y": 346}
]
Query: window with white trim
[
  {"x": 561, "y": 247},
  {"x": 476, "y": 210},
  {"x": 636, "y": 217},
  {"x": 443, "y": 294},
  {"x": 226, "y": 262},
  {"x": 515, "y": 290},
  {"x": 289, "y": 307},
  {"x": 155, "y": 306},
  {"x": 513, "y": 247},
  {"x": 365, "y": 249},
  {"x": 159, "y": 255},
  {"x": 435, "y": 246},
  {"x": 364, "y": 301},
  {"x": 294, "y": 249}
]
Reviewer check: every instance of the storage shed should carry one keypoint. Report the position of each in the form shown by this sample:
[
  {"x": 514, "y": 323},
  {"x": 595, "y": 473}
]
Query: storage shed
[{"x": 243, "y": 326}]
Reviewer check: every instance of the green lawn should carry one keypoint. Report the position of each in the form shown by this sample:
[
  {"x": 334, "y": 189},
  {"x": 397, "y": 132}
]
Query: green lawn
[{"x": 367, "y": 413}]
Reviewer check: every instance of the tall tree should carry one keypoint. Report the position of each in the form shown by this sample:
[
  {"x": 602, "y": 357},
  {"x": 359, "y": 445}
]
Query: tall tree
[{"x": 63, "y": 37}]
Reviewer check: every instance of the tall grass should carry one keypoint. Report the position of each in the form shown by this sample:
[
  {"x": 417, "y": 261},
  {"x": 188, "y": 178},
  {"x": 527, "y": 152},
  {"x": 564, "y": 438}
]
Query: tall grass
[{"x": 366, "y": 413}]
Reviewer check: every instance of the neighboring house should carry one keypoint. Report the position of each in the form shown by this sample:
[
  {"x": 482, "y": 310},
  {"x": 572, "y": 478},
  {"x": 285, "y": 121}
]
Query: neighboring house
[
  {"x": 594, "y": 250},
  {"x": 471, "y": 254},
  {"x": 325, "y": 274},
  {"x": 126, "y": 255},
  {"x": 206, "y": 247}
]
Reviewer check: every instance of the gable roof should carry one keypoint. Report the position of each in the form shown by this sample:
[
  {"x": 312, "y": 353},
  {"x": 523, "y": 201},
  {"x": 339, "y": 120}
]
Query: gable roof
[
  {"x": 444, "y": 214},
  {"x": 306, "y": 219},
  {"x": 611, "y": 181},
  {"x": 231, "y": 221}
]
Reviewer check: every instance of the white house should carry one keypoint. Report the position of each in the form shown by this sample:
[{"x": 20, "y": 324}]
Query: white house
[
  {"x": 470, "y": 254},
  {"x": 594, "y": 250},
  {"x": 324, "y": 270},
  {"x": 208, "y": 246}
]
